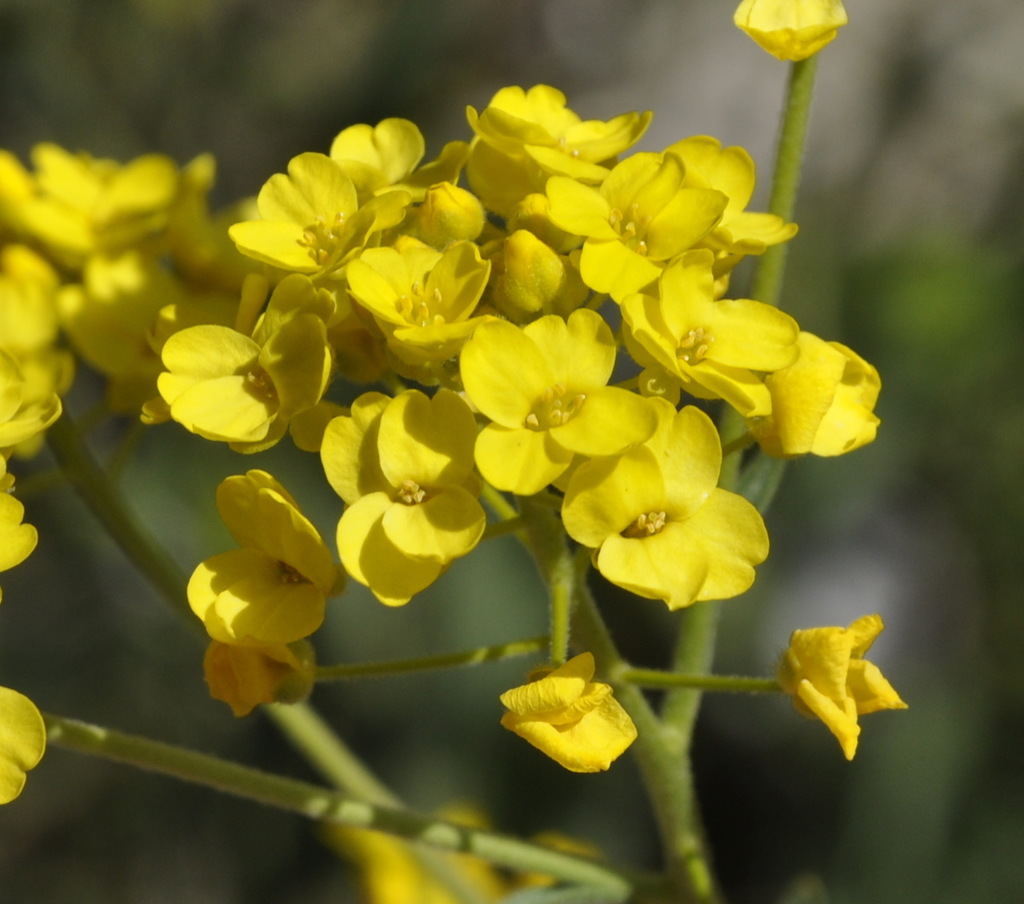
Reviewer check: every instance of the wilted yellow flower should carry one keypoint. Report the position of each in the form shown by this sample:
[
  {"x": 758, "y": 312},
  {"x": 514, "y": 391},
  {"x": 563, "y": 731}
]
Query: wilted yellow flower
[
  {"x": 791, "y": 29},
  {"x": 822, "y": 404},
  {"x": 825, "y": 671},
  {"x": 575, "y": 721},
  {"x": 245, "y": 677},
  {"x": 22, "y": 741}
]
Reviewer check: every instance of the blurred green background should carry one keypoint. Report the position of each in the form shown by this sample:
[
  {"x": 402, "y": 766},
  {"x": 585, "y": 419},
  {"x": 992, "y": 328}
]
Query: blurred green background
[{"x": 910, "y": 251}]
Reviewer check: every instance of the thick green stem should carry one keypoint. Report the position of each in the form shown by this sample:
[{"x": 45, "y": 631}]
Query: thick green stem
[
  {"x": 789, "y": 156},
  {"x": 326, "y": 805},
  {"x": 661, "y": 754},
  {"x": 440, "y": 661}
]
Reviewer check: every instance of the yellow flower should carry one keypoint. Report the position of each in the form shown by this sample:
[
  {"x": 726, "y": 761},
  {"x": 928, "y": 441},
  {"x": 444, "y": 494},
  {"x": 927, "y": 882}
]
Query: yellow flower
[
  {"x": 731, "y": 171},
  {"x": 421, "y": 298},
  {"x": 17, "y": 540},
  {"x": 311, "y": 220},
  {"x": 575, "y": 721},
  {"x": 404, "y": 466},
  {"x": 822, "y": 404},
  {"x": 713, "y": 348},
  {"x": 22, "y": 741},
  {"x": 791, "y": 29},
  {"x": 391, "y": 870},
  {"x": 385, "y": 156},
  {"x": 22, "y": 415},
  {"x": 638, "y": 219},
  {"x": 245, "y": 677},
  {"x": 228, "y": 387},
  {"x": 825, "y": 671},
  {"x": 657, "y": 522},
  {"x": 525, "y": 136},
  {"x": 543, "y": 387},
  {"x": 273, "y": 590},
  {"x": 85, "y": 205}
]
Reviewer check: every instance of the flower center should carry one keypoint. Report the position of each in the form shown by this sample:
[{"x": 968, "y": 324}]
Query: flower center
[
  {"x": 411, "y": 493},
  {"x": 646, "y": 524},
  {"x": 631, "y": 227},
  {"x": 324, "y": 239},
  {"x": 289, "y": 575},
  {"x": 554, "y": 407},
  {"x": 259, "y": 384},
  {"x": 694, "y": 346},
  {"x": 418, "y": 308}
]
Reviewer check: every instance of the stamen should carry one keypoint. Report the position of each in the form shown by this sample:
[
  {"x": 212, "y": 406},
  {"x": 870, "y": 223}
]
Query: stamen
[{"x": 646, "y": 524}]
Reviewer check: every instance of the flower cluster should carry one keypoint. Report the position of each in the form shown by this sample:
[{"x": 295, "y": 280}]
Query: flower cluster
[{"x": 551, "y": 313}]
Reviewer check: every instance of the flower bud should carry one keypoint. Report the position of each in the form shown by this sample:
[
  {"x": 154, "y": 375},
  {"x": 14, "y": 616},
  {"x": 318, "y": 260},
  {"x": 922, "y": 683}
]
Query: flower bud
[
  {"x": 448, "y": 214},
  {"x": 532, "y": 279},
  {"x": 791, "y": 29}
]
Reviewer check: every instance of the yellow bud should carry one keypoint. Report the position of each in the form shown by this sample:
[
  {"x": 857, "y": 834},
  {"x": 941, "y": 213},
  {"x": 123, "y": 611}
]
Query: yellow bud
[
  {"x": 448, "y": 214},
  {"x": 532, "y": 279},
  {"x": 791, "y": 29}
]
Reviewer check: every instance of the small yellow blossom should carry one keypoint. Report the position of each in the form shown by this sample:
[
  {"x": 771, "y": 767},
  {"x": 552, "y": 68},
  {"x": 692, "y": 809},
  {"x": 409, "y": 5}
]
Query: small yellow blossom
[
  {"x": 245, "y": 677},
  {"x": 85, "y": 205},
  {"x": 525, "y": 136},
  {"x": 385, "y": 156},
  {"x": 22, "y": 415},
  {"x": 641, "y": 217},
  {"x": 658, "y": 524},
  {"x": 392, "y": 870},
  {"x": 273, "y": 590},
  {"x": 791, "y": 29},
  {"x": 543, "y": 387},
  {"x": 574, "y": 720},
  {"x": 731, "y": 171},
  {"x": 825, "y": 671},
  {"x": 230, "y": 387},
  {"x": 422, "y": 299},
  {"x": 404, "y": 466},
  {"x": 311, "y": 220},
  {"x": 22, "y": 741},
  {"x": 823, "y": 403},
  {"x": 715, "y": 349}
]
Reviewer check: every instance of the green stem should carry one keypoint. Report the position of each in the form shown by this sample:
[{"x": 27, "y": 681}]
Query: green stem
[
  {"x": 326, "y": 805},
  {"x": 550, "y": 551},
  {"x": 767, "y": 281},
  {"x": 502, "y": 528},
  {"x": 102, "y": 497},
  {"x": 735, "y": 684},
  {"x": 661, "y": 755},
  {"x": 307, "y": 732},
  {"x": 439, "y": 661}
]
